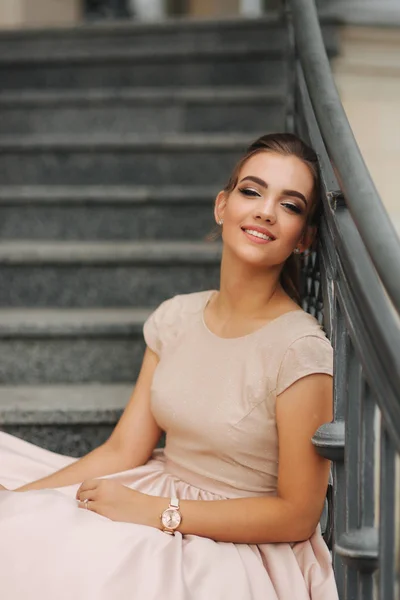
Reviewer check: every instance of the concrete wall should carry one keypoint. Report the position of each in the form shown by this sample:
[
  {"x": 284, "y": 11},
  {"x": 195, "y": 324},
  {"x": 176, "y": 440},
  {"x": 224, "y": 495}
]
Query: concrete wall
[
  {"x": 204, "y": 8},
  {"x": 39, "y": 13}
]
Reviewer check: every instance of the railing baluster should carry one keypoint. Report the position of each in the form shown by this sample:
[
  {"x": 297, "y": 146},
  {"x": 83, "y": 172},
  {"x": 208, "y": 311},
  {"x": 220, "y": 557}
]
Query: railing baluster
[
  {"x": 367, "y": 485},
  {"x": 387, "y": 542},
  {"x": 397, "y": 529},
  {"x": 340, "y": 343},
  {"x": 352, "y": 459}
]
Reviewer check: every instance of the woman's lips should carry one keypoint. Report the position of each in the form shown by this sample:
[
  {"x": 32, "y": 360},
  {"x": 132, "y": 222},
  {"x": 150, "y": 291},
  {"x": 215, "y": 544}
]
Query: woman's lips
[{"x": 255, "y": 239}]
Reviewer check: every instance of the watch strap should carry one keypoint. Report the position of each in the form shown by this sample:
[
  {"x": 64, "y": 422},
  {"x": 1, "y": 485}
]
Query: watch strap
[{"x": 174, "y": 503}]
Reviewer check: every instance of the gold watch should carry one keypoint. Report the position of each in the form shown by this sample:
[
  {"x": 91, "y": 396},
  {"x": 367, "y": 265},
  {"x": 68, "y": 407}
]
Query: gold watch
[{"x": 171, "y": 518}]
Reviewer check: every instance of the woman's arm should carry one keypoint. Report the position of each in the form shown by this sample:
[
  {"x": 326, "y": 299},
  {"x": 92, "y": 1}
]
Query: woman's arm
[
  {"x": 130, "y": 444},
  {"x": 294, "y": 513},
  {"x": 103, "y": 460}
]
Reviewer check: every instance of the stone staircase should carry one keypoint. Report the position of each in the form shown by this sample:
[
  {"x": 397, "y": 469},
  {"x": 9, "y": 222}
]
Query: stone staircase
[{"x": 114, "y": 141}]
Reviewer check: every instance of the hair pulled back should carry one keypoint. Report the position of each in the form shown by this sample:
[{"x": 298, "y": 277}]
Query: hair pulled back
[{"x": 286, "y": 144}]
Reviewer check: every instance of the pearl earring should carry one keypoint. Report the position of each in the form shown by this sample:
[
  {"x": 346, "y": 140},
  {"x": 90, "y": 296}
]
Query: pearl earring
[
  {"x": 220, "y": 222},
  {"x": 296, "y": 251}
]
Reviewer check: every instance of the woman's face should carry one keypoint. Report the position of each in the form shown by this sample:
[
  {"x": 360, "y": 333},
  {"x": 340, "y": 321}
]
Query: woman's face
[{"x": 264, "y": 217}]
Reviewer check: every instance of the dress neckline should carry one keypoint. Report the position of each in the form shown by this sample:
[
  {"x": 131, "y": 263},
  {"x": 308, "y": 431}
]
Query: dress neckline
[{"x": 247, "y": 335}]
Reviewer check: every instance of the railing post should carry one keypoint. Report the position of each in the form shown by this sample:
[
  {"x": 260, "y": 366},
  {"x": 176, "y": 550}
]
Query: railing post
[{"x": 389, "y": 583}]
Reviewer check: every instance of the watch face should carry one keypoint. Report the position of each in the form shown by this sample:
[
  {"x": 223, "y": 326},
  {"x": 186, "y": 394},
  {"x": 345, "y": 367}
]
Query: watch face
[{"x": 171, "y": 518}]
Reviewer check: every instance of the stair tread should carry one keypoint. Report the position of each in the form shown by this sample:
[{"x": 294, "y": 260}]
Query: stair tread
[
  {"x": 146, "y": 251},
  {"x": 170, "y": 24},
  {"x": 123, "y": 55},
  {"x": 51, "y": 404},
  {"x": 71, "y": 316},
  {"x": 146, "y": 94},
  {"x": 105, "y": 193},
  {"x": 168, "y": 141},
  {"x": 71, "y": 321}
]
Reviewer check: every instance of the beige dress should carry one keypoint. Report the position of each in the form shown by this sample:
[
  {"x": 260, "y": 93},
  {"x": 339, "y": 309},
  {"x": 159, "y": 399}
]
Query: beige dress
[{"x": 215, "y": 398}]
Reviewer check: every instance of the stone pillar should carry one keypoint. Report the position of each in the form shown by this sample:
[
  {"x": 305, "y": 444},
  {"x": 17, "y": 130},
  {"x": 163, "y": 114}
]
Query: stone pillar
[
  {"x": 251, "y": 8},
  {"x": 148, "y": 10},
  {"x": 39, "y": 13},
  {"x": 213, "y": 8}
]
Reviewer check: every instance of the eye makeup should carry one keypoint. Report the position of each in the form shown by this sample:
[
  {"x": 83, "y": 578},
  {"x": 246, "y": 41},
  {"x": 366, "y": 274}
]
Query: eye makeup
[
  {"x": 294, "y": 208},
  {"x": 250, "y": 192},
  {"x": 253, "y": 193}
]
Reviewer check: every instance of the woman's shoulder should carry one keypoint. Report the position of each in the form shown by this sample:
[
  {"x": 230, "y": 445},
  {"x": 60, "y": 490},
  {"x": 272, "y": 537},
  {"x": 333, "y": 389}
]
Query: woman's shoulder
[
  {"x": 171, "y": 317},
  {"x": 293, "y": 333},
  {"x": 189, "y": 302},
  {"x": 305, "y": 349},
  {"x": 299, "y": 323},
  {"x": 182, "y": 305}
]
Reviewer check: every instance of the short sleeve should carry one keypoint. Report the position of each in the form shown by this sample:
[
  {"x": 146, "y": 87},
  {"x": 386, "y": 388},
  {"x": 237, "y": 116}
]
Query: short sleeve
[
  {"x": 307, "y": 355},
  {"x": 161, "y": 325}
]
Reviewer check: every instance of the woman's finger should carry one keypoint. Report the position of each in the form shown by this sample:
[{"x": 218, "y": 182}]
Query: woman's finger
[
  {"x": 85, "y": 505},
  {"x": 89, "y": 484},
  {"x": 87, "y": 495},
  {"x": 91, "y": 505}
]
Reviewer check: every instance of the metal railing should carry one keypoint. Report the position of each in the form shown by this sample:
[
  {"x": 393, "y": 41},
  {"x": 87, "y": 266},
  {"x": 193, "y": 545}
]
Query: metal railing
[{"x": 355, "y": 276}]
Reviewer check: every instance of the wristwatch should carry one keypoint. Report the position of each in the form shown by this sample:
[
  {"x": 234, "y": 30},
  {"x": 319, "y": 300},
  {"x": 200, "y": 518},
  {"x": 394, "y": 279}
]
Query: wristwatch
[{"x": 171, "y": 518}]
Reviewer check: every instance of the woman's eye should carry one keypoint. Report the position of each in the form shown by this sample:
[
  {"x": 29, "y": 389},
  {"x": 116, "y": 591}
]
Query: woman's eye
[
  {"x": 293, "y": 207},
  {"x": 249, "y": 192}
]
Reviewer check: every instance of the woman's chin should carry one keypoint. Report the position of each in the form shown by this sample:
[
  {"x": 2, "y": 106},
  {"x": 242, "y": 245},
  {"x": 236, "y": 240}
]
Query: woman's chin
[{"x": 254, "y": 260}]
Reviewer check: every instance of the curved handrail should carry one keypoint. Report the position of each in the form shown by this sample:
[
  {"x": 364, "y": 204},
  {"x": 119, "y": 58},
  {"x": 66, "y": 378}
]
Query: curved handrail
[{"x": 363, "y": 201}]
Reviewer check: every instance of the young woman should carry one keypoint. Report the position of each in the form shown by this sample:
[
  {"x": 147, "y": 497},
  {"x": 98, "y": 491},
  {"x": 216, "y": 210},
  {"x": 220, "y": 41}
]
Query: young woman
[{"x": 240, "y": 378}]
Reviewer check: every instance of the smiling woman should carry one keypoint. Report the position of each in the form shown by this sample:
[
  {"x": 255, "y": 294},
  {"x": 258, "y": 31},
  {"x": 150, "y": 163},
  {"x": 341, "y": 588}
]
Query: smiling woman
[
  {"x": 285, "y": 158},
  {"x": 239, "y": 378}
]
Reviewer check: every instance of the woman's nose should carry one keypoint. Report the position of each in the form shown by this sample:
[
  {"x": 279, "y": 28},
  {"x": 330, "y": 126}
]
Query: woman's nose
[{"x": 266, "y": 212}]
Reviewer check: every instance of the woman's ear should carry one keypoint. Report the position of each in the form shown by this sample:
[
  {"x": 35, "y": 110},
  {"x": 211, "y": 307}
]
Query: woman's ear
[{"x": 220, "y": 204}]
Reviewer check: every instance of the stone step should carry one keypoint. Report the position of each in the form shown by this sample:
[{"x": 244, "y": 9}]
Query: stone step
[
  {"x": 50, "y": 346},
  {"x": 101, "y": 274},
  {"x": 106, "y": 212},
  {"x": 88, "y": 403},
  {"x": 118, "y": 160},
  {"x": 69, "y": 419},
  {"x": 170, "y": 33},
  {"x": 112, "y": 67},
  {"x": 143, "y": 111}
]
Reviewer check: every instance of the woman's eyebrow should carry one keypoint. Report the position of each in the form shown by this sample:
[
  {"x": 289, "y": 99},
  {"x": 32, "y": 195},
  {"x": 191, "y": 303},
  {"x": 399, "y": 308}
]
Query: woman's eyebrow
[
  {"x": 255, "y": 179},
  {"x": 261, "y": 182},
  {"x": 295, "y": 195}
]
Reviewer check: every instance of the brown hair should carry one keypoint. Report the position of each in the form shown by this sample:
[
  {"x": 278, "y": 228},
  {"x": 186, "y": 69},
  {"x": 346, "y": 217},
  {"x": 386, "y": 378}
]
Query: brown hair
[{"x": 286, "y": 144}]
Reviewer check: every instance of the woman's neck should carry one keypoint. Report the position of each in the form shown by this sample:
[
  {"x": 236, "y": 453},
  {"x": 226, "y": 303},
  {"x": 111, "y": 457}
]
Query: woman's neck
[{"x": 247, "y": 293}]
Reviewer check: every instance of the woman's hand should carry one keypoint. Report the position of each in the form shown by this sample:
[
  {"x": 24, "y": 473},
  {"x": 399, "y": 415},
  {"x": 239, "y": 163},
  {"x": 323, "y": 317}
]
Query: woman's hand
[{"x": 120, "y": 503}]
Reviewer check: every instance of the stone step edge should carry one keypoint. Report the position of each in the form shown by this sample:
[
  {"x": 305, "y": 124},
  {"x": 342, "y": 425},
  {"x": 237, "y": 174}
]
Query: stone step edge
[
  {"x": 10, "y": 195},
  {"x": 146, "y": 252},
  {"x": 48, "y": 323},
  {"x": 102, "y": 143},
  {"x": 204, "y": 96},
  {"x": 143, "y": 55},
  {"x": 269, "y": 18},
  {"x": 63, "y": 404}
]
